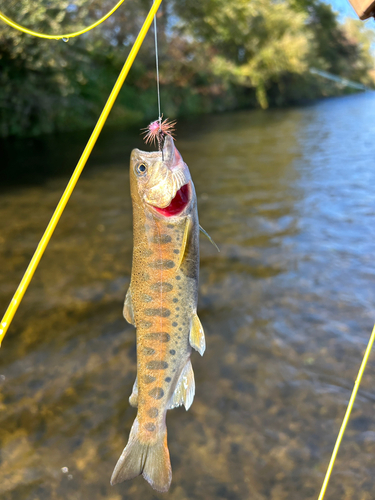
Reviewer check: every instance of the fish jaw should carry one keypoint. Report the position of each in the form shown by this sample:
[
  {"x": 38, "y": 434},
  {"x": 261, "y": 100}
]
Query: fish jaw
[
  {"x": 179, "y": 203},
  {"x": 166, "y": 186}
]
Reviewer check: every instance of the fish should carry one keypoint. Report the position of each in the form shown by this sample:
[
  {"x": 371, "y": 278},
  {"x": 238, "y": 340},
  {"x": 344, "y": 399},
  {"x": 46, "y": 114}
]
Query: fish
[{"x": 161, "y": 303}]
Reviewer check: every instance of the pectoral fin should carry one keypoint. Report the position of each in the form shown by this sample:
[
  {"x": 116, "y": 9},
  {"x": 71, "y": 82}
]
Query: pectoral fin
[
  {"x": 133, "y": 400},
  {"x": 128, "y": 307},
  {"x": 185, "y": 388},
  {"x": 196, "y": 337},
  {"x": 209, "y": 237},
  {"x": 185, "y": 239}
]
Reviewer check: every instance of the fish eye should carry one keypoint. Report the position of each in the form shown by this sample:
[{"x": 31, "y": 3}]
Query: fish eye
[{"x": 141, "y": 169}]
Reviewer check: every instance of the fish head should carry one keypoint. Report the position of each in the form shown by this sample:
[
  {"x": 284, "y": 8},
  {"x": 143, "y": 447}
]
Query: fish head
[{"x": 161, "y": 181}]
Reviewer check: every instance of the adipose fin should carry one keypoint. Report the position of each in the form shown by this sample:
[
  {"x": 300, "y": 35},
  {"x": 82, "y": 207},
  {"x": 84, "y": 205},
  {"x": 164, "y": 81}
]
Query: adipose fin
[{"x": 133, "y": 400}]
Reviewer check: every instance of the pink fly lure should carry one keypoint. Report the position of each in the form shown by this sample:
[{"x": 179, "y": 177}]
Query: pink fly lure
[{"x": 157, "y": 131}]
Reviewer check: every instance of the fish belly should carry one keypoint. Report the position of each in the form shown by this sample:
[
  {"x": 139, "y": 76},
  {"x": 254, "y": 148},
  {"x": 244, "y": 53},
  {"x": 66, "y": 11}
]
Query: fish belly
[{"x": 164, "y": 300}]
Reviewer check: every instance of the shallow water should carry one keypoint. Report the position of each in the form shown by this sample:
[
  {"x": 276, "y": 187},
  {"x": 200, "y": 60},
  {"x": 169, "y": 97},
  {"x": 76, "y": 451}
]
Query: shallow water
[{"x": 287, "y": 306}]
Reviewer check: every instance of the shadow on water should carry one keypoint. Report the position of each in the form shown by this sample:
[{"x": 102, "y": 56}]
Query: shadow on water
[
  {"x": 32, "y": 161},
  {"x": 287, "y": 306}
]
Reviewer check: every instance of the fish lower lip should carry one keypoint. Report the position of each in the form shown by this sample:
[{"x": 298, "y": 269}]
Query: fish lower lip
[{"x": 178, "y": 204}]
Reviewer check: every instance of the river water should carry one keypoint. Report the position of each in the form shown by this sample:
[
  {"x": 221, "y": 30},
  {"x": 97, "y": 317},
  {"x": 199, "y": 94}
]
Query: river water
[{"x": 287, "y": 306}]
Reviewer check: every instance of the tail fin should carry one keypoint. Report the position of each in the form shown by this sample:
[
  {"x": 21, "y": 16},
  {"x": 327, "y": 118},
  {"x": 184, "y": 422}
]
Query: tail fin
[{"x": 150, "y": 460}]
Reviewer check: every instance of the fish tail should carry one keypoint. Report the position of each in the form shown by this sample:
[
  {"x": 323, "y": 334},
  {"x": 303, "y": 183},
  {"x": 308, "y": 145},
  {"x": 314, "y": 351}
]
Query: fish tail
[{"x": 150, "y": 460}]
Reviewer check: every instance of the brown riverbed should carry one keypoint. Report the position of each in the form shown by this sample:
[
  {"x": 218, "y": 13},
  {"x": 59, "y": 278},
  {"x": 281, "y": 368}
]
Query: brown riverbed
[{"x": 287, "y": 306}]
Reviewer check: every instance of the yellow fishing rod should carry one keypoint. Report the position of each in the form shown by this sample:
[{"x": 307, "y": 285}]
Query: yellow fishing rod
[
  {"x": 13, "y": 306},
  {"x": 22, "y": 287},
  {"x": 347, "y": 415},
  {"x": 64, "y": 36}
]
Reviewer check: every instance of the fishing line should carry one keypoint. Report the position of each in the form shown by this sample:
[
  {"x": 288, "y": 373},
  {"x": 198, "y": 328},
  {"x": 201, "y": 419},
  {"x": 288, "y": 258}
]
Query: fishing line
[
  {"x": 157, "y": 69},
  {"x": 158, "y": 84}
]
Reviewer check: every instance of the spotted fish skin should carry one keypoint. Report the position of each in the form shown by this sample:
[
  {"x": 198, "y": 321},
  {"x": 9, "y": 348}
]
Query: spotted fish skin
[{"x": 161, "y": 303}]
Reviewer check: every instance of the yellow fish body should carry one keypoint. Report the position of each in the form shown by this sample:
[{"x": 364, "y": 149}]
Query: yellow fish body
[{"x": 161, "y": 303}]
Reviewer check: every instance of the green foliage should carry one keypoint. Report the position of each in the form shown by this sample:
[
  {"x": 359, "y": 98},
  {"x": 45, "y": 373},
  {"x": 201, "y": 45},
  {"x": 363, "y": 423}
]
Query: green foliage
[
  {"x": 215, "y": 55},
  {"x": 252, "y": 43}
]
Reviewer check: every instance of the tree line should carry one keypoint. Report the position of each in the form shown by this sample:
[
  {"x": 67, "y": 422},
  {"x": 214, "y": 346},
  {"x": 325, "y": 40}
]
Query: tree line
[{"x": 215, "y": 55}]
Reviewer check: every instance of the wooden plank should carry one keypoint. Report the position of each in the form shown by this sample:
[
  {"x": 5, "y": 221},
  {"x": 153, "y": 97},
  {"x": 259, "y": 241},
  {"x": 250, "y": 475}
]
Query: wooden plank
[{"x": 364, "y": 8}]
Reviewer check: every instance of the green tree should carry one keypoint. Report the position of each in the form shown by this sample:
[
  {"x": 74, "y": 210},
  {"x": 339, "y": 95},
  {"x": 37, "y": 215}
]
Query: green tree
[
  {"x": 252, "y": 43},
  {"x": 214, "y": 55}
]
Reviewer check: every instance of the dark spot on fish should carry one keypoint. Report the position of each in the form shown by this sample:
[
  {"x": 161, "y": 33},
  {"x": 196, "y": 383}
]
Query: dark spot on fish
[
  {"x": 175, "y": 300},
  {"x": 153, "y": 412},
  {"x": 148, "y": 379},
  {"x": 158, "y": 311},
  {"x": 177, "y": 308},
  {"x": 157, "y": 365},
  {"x": 176, "y": 251},
  {"x": 173, "y": 352},
  {"x": 178, "y": 277},
  {"x": 159, "y": 336},
  {"x": 168, "y": 379},
  {"x": 144, "y": 324},
  {"x": 156, "y": 393},
  {"x": 177, "y": 316},
  {"x": 179, "y": 293},
  {"x": 148, "y": 351},
  {"x": 161, "y": 264},
  {"x": 180, "y": 329},
  {"x": 170, "y": 226},
  {"x": 174, "y": 323},
  {"x": 161, "y": 239},
  {"x": 146, "y": 298},
  {"x": 149, "y": 426},
  {"x": 161, "y": 287},
  {"x": 179, "y": 335}
]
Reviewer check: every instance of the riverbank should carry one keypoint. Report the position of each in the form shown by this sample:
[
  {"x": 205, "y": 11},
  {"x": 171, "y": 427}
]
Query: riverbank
[{"x": 214, "y": 57}]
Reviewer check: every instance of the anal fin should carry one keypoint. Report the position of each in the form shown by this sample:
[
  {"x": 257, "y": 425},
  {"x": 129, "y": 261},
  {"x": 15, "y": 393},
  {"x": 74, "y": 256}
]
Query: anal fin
[
  {"x": 185, "y": 388},
  {"x": 133, "y": 400},
  {"x": 196, "y": 338}
]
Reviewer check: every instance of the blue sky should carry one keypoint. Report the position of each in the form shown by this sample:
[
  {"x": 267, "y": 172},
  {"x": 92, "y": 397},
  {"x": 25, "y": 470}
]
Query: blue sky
[
  {"x": 344, "y": 7},
  {"x": 346, "y": 10}
]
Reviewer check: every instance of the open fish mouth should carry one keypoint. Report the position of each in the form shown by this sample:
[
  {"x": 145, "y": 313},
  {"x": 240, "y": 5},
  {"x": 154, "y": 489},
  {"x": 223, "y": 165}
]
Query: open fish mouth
[{"x": 179, "y": 202}]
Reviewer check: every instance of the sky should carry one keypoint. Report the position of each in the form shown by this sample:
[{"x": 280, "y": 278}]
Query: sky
[{"x": 346, "y": 10}]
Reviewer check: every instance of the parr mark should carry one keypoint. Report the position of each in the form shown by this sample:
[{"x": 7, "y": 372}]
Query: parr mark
[
  {"x": 157, "y": 365},
  {"x": 156, "y": 393}
]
